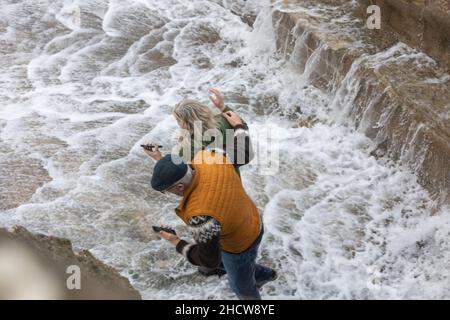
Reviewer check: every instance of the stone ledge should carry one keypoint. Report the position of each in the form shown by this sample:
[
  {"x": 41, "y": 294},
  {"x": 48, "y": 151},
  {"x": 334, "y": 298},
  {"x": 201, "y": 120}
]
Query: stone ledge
[
  {"x": 422, "y": 24},
  {"x": 401, "y": 97},
  {"x": 46, "y": 259}
]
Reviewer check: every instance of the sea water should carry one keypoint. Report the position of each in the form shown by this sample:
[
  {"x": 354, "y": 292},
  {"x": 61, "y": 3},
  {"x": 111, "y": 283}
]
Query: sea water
[{"x": 84, "y": 82}]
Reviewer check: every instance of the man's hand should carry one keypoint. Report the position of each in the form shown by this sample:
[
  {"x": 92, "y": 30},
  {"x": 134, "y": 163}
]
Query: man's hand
[
  {"x": 232, "y": 118},
  {"x": 217, "y": 98},
  {"x": 173, "y": 239},
  {"x": 154, "y": 153}
]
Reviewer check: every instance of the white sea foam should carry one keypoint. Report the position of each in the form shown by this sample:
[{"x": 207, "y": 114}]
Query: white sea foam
[{"x": 339, "y": 224}]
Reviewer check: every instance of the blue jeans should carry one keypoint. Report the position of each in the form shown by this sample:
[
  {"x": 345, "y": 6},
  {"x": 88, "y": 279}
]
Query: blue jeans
[{"x": 244, "y": 273}]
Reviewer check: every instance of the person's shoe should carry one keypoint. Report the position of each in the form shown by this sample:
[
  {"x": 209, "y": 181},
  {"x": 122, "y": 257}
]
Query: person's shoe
[
  {"x": 272, "y": 277},
  {"x": 207, "y": 272}
]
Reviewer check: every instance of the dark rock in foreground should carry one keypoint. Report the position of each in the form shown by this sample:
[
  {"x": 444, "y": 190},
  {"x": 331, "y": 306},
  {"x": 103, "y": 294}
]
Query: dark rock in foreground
[{"x": 36, "y": 266}]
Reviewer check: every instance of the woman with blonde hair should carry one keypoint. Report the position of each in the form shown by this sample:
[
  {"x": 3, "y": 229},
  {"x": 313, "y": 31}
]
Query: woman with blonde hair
[{"x": 201, "y": 129}]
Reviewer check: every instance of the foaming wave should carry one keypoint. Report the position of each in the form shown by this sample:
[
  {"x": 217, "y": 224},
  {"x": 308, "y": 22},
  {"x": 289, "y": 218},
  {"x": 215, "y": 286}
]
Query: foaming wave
[{"x": 80, "y": 97}]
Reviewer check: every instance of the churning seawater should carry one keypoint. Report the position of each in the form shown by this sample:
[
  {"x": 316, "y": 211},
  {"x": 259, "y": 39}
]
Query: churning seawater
[{"x": 84, "y": 82}]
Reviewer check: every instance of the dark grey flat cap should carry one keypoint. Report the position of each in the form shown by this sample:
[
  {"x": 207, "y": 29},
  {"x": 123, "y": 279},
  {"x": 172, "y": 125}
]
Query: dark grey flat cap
[{"x": 167, "y": 172}]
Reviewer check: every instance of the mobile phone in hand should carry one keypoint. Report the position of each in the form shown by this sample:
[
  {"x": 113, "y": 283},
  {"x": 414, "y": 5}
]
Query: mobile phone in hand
[
  {"x": 150, "y": 147},
  {"x": 168, "y": 230}
]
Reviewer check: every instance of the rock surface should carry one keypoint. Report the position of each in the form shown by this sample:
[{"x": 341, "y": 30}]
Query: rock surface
[
  {"x": 398, "y": 97},
  {"x": 422, "y": 24},
  {"x": 36, "y": 266}
]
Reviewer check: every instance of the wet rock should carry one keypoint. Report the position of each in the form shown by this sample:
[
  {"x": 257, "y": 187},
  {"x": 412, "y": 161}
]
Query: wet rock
[
  {"x": 20, "y": 177},
  {"x": 423, "y": 24},
  {"x": 397, "y": 96},
  {"x": 36, "y": 266},
  {"x": 248, "y": 19},
  {"x": 132, "y": 107},
  {"x": 265, "y": 104},
  {"x": 247, "y": 12}
]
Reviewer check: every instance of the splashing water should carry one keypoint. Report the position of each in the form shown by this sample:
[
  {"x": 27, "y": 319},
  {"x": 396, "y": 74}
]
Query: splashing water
[{"x": 83, "y": 83}]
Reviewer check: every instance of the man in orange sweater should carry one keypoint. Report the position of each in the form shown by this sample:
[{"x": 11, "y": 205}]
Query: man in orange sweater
[{"x": 221, "y": 217}]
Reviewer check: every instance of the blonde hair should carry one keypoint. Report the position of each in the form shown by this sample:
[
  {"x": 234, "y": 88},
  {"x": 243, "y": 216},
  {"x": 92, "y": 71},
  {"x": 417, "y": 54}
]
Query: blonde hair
[{"x": 189, "y": 112}]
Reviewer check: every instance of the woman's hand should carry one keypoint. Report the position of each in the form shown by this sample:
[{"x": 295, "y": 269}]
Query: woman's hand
[
  {"x": 154, "y": 153},
  {"x": 232, "y": 118},
  {"x": 217, "y": 98}
]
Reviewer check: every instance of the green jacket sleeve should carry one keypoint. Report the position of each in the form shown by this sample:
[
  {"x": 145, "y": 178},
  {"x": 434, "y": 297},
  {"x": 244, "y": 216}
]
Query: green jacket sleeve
[{"x": 224, "y": 124}]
